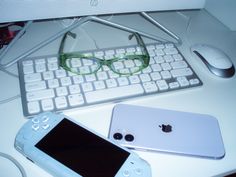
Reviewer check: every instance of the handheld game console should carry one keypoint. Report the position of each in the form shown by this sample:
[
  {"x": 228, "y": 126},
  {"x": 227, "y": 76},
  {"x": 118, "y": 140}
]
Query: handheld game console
[{"x": 65, "y": 148}]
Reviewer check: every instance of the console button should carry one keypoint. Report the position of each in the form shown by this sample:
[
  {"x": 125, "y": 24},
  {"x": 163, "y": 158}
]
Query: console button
[
  {"x": 35, "y": 127},
  {"x": 45, "y": 118},
  {"x": 45, "y": 126},
  {"x": 138, "y": 171},
  {"x": 35, "y": 120},
  {"x": 126, "y": 173}
]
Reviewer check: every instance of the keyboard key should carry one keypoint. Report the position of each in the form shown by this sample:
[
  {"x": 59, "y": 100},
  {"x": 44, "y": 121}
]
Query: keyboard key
[
  {"x": 194, "y": 81},
  {"x": 165, "y": 66},
  {"x": 27, "y": 63},
  {"x": 48, "y": 75},
  {"x": 32, "y": 77},
  {"x": 76, "y": 99},
  {"x": 65, "y": 81},
  {"x": 87, "y": 87},
  {"x": 32, "y": 86},
  {"x": 122, "y": 81},
  {"x": 28, "y": 69},
  {"x": 150, "y": 87},
  {"x": 61, "y": 91},
  {"x": 53, "y": 83},
  {"x": 41, "y": 67},
  {"x": 61, "y": 102},
  {"x": 179, "y": 64},
  {"x": 40, "y": 95},
  {"x": 170, "y": 51},
  {"x": 177, "y": 57},
  {"x": 145, "y": 77},
  {"x": 174, "y": 85},
  {"x": 74, "y": 89},
  {"x": 99, "y": 85},
  {"x": 134, "y": 79},
  {"x": 183, "y": 81},
  {"x": 162, "y": 85},
  {"x": 181, "y": 72},
  {"x": 33, "y": 107},
  {"x": 111, "y": 83},
  {"x": 52, "y": 66},
  {"x": 155, "y": 76},
  {"x": 165, "y": 75},
  {"x": 78, "y": 79},
  {"x": 47, "y": 105},
  {"x": 112, "y": 93},
  {"x": 60, "y": 73}
]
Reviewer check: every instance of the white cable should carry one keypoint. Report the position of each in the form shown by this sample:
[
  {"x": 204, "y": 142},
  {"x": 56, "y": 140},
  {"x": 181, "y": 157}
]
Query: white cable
[
  {"x": 9, "y": 99},
  {"x": 8, "y": 72},
  {"x": 16, "y": 163}
]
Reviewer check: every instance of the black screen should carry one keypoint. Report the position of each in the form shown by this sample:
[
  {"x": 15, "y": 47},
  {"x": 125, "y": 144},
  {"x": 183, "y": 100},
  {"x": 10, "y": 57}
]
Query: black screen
[{"x": 82, "y": 151}]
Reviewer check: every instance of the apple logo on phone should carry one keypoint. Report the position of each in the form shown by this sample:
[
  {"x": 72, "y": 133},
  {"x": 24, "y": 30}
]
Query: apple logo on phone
[{"x": 166, "y": 128}]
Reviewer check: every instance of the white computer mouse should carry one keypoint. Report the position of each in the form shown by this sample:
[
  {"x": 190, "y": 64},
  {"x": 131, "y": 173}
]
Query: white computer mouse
[{"x": 215, "y": 59}]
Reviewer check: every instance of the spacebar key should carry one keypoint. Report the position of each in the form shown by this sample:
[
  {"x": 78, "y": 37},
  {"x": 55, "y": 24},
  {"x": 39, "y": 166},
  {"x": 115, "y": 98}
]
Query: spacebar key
[{"x": 113, "y": 93}]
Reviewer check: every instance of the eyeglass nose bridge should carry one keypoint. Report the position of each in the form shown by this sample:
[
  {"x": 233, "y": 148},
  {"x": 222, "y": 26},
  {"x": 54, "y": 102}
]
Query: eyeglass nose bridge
[{"x": 105, "y": 62}]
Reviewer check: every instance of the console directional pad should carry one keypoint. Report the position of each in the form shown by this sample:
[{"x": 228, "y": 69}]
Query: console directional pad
[{"x": 41, "y": 122}]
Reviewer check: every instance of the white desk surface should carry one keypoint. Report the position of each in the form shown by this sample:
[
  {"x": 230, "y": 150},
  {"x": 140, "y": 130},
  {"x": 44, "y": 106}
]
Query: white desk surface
[{"x": 216, "y": 97}]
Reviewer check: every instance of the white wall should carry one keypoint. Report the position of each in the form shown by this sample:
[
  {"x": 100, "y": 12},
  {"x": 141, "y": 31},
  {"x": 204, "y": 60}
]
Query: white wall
[{"x": 224, "y": 10}]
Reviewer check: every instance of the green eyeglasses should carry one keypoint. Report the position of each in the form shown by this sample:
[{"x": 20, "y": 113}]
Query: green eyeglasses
[{"x": 122, "y": 64}]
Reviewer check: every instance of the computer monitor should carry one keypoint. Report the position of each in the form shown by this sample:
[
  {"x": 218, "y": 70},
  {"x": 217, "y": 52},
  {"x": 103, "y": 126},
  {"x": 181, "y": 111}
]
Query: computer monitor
[{"x": 24, "y": 10}]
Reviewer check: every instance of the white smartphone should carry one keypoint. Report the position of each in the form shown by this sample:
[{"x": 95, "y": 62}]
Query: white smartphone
[
  {"x": 161, "y": 130},
  {"x": 65, "y": 148}
]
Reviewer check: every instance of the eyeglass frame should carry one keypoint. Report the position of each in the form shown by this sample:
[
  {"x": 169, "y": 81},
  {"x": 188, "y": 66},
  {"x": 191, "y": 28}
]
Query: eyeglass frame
[{"x": 63, "y": 57}]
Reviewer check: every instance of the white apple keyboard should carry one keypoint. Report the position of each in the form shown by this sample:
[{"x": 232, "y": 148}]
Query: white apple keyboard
[{"x": 47, "y": 87}]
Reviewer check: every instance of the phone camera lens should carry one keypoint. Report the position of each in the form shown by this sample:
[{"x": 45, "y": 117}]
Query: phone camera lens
[
  {"x": 129, "y": 137},
  {"x": 117, "y": 136}
]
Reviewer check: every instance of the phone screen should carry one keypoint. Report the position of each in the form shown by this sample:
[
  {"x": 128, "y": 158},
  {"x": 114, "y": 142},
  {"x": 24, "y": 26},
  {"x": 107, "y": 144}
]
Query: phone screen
[{"x": 82, "y": 151}]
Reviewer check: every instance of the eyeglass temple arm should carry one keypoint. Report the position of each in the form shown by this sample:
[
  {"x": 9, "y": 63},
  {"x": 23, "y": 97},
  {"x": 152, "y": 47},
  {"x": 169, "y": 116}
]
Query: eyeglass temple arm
[
  {"x": 61, "y": 48},
  {"x": 141, "y": 43}
]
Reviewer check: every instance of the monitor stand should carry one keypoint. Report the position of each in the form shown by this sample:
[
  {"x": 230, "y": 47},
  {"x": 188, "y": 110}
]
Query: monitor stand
[{"x": 81, "y": 21}]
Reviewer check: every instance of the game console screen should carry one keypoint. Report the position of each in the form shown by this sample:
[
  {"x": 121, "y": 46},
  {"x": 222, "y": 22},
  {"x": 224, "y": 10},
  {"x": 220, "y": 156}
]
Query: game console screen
[{"x": 82, "y": 151}]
